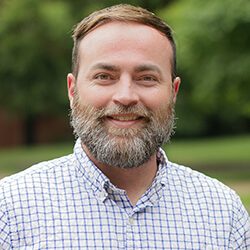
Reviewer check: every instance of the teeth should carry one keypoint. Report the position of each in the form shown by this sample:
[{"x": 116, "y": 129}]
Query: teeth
[{"x": 125, "y": 118}]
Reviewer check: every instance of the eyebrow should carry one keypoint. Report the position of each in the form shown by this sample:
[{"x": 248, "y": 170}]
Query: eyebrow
[
  {"x": 138, "y": 69},
  {"x": 106, "y": 66},
  {"x": 147, "y": 67}
]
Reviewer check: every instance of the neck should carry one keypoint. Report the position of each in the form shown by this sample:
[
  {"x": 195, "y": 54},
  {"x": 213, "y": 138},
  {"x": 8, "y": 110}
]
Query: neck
[{"x": 135, "y": 181}]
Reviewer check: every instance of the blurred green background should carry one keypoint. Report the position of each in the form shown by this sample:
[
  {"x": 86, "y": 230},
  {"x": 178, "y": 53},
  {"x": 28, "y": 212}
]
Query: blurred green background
[{"x": 213, "y": 107}]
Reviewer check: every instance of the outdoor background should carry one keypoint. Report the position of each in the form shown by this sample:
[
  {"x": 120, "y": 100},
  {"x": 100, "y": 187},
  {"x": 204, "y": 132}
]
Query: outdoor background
[{"x": 213, "y": 106}]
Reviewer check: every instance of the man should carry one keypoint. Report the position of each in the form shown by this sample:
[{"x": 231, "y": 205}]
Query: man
[{"x": 118, "y": 190}]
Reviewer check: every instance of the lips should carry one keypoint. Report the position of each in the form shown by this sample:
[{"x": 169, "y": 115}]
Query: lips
[
  {"x": 124, "y": 120},
  {"x": 125, "y": 117}
]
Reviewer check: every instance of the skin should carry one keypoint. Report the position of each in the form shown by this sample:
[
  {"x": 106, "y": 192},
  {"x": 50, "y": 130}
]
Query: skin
[{"x": 128, "y": 64}]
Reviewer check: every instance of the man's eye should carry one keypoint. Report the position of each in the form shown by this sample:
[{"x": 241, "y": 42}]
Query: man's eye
[
  {"x": 149, "y": 78},
  {"x": 103, "y": 76}
]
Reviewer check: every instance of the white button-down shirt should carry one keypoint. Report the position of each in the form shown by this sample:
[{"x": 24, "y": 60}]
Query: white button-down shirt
[{"x": 68, "y": 203}]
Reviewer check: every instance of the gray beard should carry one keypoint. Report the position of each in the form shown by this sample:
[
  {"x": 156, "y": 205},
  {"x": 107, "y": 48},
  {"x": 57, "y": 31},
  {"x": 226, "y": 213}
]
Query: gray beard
[{"x": 122, "y": 147}]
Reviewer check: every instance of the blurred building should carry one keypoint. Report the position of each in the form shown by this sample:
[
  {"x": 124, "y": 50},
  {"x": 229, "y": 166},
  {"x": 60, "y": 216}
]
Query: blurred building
[{"x": 46, "y": 129}]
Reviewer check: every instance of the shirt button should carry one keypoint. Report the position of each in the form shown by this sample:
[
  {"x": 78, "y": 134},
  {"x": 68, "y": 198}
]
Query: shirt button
[
  {"x": 91, "y": 175},
  {"x": 101, "y": 195},
  {"x": 131, "y": 220}
]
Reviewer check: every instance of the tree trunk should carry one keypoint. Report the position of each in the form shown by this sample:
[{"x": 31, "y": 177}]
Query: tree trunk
[{"x": 30, "y": 129}]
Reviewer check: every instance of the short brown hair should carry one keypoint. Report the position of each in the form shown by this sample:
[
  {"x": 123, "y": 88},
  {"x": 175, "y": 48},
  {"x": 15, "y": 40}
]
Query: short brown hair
[{"x": 123, "y": 13}]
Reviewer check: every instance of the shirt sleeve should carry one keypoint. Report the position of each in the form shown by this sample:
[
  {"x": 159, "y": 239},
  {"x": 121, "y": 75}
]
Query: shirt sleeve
[
  {"x": 4, "y": 224},
  {"x": 240, "y": 237}
]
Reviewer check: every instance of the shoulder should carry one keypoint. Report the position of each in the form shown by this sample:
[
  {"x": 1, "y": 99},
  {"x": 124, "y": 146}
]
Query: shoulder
[
  {"x": 29, "y": 192},
  {"x": 201, "y": 191},
  {"x": 194, "y": 180},
  {"x": 204, "y": 192},
  {"x": 202, "y": 198},
  {"x": 185, "y": 180},
  {"x": 34, "y": 177}
]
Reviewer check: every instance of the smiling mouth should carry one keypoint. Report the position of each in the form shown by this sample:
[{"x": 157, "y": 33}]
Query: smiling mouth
[
  {"x": 125, "y": 117},
  {"x": 125, "y": 120}
]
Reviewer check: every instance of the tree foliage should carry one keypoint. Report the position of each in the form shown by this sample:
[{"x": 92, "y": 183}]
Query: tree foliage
[
  {"x": 214, "y": 61},
  {"x": 213, "y": 54},
  {"x": 35, "y": 49}
]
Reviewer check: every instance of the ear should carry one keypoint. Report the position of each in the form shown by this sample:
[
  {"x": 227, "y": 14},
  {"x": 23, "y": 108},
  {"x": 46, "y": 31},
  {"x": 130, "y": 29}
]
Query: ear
[
  {"x": 176, "y": 85},
  {"x": 71, "y": 81}
]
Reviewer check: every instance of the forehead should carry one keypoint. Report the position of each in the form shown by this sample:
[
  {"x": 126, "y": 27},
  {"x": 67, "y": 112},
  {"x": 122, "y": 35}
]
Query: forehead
[{"x": 125, "y": 37}]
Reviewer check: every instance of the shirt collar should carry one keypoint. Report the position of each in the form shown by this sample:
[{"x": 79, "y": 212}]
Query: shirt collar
[
  {"x": 162, "y": 166},
  {"x": 155, "y": 192},
  {"x": 99, "y": 182},
  {"x": 87, "y": 169}
]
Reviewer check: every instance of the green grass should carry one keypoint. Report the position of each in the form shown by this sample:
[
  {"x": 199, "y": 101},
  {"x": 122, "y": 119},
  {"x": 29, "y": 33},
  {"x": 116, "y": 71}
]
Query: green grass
[
  {"x": 246, "y": 201},
  {"x": 211, "y": 151},
  {"x": 226, "y": 158},
  {"x": 17, "y": 159}
]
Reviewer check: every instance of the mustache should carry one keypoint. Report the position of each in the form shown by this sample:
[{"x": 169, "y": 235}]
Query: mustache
[
  {"x": 101, "y": 113},
  {"x": 119, "y": 109},
  {"x": 115, "y": 109}
]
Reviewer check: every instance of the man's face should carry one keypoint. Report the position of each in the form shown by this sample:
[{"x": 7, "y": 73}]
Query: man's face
[{"x": 122, "y": 100}]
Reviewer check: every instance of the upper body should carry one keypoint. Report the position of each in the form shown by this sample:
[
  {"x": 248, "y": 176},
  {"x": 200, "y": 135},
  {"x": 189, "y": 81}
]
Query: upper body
[
  {"x": 122, "y": 93},
  {"x": 68, "y": 203}
]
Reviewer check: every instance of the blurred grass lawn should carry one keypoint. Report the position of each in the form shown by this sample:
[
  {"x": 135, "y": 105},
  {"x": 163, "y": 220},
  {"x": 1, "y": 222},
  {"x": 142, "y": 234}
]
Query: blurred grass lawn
[{"x": 225, "y": 158}]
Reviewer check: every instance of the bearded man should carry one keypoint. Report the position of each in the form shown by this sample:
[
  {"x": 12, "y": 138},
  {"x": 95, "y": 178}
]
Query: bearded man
[{"x": 118, "y": 190}]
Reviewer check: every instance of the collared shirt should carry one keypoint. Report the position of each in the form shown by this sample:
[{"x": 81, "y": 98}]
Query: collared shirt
[{"x": 68, "y": 203}]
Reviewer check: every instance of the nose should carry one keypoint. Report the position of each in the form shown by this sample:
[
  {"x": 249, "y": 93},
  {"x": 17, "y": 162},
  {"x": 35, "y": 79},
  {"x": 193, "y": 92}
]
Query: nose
[{"x": 125, "y": 93}]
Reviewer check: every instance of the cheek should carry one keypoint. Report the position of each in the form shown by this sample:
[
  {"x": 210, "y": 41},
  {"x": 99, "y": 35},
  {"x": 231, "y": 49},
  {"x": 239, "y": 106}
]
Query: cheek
[
  {"x": 157, "y": 99},
  {"x": 94, "y": 97}
]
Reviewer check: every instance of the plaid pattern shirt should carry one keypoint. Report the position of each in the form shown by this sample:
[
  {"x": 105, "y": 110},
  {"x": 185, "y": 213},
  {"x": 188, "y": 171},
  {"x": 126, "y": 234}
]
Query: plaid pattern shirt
[{"x": 68, "y": 203}]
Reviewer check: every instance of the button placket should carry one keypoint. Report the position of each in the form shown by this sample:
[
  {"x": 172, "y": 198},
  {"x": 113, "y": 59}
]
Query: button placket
[{"x": 133, "y": 232}]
